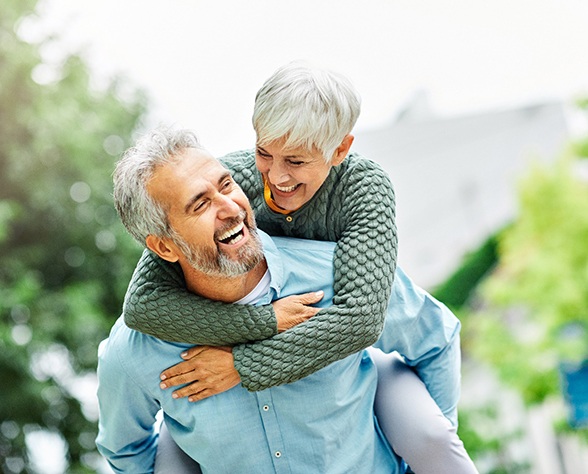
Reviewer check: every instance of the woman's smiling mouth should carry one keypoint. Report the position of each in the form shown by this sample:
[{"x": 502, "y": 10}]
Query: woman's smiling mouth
[{"x": 287, "y": 189}]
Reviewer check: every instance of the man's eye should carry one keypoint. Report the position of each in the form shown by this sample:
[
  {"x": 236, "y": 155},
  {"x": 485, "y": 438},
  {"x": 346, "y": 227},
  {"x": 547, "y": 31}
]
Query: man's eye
[
  {"x": 228, "y": 184},
  {"x": 295, "y": 163},
  {"x": 199, "y": 206}
]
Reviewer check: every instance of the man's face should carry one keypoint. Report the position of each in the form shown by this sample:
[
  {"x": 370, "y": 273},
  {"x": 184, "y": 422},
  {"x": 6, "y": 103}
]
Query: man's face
[
  {"x": 210, "y": 215},
  {"x": 294, "y": 175}
]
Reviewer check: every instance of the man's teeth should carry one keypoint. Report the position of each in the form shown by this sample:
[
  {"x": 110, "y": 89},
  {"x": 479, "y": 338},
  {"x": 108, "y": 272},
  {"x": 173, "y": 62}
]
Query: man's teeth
[
  {"x": 286, "y": 189},
  {"x": 234, "y": 233}
]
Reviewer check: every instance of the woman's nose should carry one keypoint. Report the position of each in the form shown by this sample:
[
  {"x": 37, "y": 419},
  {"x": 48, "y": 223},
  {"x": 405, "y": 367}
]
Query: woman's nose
[{"x": 278, "y": 173}]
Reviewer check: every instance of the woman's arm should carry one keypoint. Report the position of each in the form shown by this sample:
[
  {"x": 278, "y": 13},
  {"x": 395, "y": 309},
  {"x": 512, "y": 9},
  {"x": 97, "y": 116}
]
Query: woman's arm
[{"x": 157, "y": 303}]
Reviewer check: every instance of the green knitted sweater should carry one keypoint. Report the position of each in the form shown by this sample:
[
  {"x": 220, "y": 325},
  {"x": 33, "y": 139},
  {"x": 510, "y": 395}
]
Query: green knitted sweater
[{"x": 355, "y": 208}]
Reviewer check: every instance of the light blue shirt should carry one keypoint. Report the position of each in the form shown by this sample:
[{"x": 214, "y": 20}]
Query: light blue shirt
[{"x": 323, "y": 423}]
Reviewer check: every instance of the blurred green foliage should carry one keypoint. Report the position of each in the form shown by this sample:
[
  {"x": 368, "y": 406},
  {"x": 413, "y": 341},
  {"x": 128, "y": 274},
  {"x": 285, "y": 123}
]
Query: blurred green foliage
[
  {"x": 65, "y": 260},
  {"x": 522, "y": 298},
  {"x": 536, "y": 312},
  {"x": 459, "y": 287}
]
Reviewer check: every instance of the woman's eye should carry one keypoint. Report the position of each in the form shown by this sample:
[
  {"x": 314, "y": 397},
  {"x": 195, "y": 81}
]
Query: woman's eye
[
  {"x": 295, "y": 163},
  {"x": 265, "y": 156}
]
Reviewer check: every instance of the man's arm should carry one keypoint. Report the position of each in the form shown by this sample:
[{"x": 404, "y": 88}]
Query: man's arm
[
  {"x": 426, "y": 333},
  {"x": 126, "y": 435}
]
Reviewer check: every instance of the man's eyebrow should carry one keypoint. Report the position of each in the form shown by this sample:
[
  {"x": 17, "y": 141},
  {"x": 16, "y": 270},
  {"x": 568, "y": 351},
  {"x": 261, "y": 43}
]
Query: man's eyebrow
[
  {"x": 225, "y": 175},
  {"x": 192, "y": 201},
  {"x": 196, "y": 197}
]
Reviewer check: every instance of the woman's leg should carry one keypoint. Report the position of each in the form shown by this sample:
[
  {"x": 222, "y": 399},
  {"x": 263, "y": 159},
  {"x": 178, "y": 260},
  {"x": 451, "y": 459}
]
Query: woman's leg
[
  {"x": 412, "y": 422},
  {"x": 170, "y": 458}
]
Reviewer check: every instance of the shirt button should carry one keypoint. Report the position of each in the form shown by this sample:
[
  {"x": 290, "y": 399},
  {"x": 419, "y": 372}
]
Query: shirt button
[
  {"x": 265, "y": 408},
  {"x": 288, "y": 218},
  {"x": 278, "y": 454}
]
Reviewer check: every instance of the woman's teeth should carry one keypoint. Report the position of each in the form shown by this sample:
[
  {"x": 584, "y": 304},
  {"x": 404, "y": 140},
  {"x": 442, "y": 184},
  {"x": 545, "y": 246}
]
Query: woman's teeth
[{"x": 286, "y": 189}]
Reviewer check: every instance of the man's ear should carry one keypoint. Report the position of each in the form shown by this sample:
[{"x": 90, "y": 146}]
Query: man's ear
[
  {"x": 162, "y": 247},
  {"x": 342, "y": 150}
]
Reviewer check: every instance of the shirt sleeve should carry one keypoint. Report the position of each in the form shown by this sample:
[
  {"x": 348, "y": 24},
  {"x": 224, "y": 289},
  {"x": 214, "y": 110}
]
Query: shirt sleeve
[
  {"x": 364, "y": 262},
  {"x": 126, "y": 434},
  {"x": 426, "y": 333},
  {"x": 157, "y": 303}
]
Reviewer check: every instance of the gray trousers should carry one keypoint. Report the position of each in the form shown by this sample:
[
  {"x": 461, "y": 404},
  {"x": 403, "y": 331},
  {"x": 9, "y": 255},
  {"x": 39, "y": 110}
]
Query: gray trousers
[{"x": 410, "y": 419}]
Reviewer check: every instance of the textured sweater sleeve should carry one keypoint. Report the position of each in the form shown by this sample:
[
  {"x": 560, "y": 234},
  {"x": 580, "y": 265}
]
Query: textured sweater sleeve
[
  {"x": 157, "y": 303},
  {"x": 365, "y": 262}
]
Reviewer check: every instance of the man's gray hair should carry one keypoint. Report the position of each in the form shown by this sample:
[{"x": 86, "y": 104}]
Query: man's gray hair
[
  {"x": 307, "y": 106},
  {"x": 138, "y": 211}
]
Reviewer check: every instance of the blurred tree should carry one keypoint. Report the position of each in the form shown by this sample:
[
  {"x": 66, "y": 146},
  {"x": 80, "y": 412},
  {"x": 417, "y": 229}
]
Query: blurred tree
[
  {"x": 65, "y": 260},
  {"x": 538, "y": 312}
]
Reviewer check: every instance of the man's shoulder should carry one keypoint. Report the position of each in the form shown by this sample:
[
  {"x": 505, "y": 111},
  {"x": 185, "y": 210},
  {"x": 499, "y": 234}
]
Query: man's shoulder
[
  {"x": 126, "y": 344},
  {"x": 300, "y": 265},
  {"x": 292, "y": 247},
  {"x": 118, "y": 340}
]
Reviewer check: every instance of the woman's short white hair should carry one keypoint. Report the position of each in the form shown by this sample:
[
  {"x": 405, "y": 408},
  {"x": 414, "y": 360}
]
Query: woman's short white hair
[
  {"x": 307, "y": 106},
  {"x": 138, "y": 211}
]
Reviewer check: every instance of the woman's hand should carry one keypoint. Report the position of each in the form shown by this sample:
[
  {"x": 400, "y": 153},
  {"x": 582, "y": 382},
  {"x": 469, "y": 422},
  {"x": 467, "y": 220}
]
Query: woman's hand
[
  {"x": 296, "y": 309},
  {"x": 207, "y": 370}
]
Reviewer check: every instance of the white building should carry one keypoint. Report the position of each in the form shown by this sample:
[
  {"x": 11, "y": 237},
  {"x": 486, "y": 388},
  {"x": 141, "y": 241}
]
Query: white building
[{"x": 455, "y": 178}]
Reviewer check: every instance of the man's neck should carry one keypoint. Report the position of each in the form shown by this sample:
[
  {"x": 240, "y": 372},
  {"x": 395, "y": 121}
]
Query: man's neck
[{"x": 225, "y": 289}]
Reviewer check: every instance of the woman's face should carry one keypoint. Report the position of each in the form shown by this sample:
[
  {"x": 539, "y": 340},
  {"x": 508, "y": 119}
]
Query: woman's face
[{"x": 294, "y": 175}]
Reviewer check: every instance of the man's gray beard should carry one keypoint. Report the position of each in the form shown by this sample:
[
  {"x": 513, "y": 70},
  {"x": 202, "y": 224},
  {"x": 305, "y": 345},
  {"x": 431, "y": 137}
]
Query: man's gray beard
[{"x": 217, "y": 264}]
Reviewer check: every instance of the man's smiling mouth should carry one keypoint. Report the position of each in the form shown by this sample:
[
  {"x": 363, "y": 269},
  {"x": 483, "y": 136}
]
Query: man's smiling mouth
[{"x": 233, "y": 235}]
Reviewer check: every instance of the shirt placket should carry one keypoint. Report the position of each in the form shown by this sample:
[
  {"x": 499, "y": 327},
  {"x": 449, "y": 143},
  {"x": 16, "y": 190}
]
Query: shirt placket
[{"x": 273, "y": 433}]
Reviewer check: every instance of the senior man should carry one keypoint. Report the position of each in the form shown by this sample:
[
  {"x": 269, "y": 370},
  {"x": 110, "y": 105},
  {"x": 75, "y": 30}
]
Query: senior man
[{"x": 186, "y": 208}]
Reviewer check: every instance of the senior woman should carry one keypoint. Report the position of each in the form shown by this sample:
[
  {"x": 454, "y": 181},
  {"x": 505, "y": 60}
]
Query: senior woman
[{"x": 302, "y": 181}]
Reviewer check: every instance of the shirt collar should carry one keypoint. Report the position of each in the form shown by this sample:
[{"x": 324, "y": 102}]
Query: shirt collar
[{"x": 274, "y": 262}]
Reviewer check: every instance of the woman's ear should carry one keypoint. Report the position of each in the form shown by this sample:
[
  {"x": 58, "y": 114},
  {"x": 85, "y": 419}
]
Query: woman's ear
[
  {"x": 342, "y": 150},
  {"x": 162, "y": 247}
]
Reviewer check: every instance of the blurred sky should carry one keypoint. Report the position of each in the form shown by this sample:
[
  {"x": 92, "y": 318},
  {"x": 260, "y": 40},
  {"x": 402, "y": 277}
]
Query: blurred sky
[{"x": 202, "y": 61}]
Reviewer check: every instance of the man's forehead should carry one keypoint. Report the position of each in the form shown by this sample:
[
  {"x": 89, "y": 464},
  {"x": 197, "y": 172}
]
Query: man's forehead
[
  {"x": 196, "y": 164},
  {"x": 190, "y": 170}
]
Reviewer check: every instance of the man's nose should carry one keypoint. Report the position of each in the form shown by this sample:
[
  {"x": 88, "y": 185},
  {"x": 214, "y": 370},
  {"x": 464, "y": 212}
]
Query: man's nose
[{"x": 227, "y": 207}]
